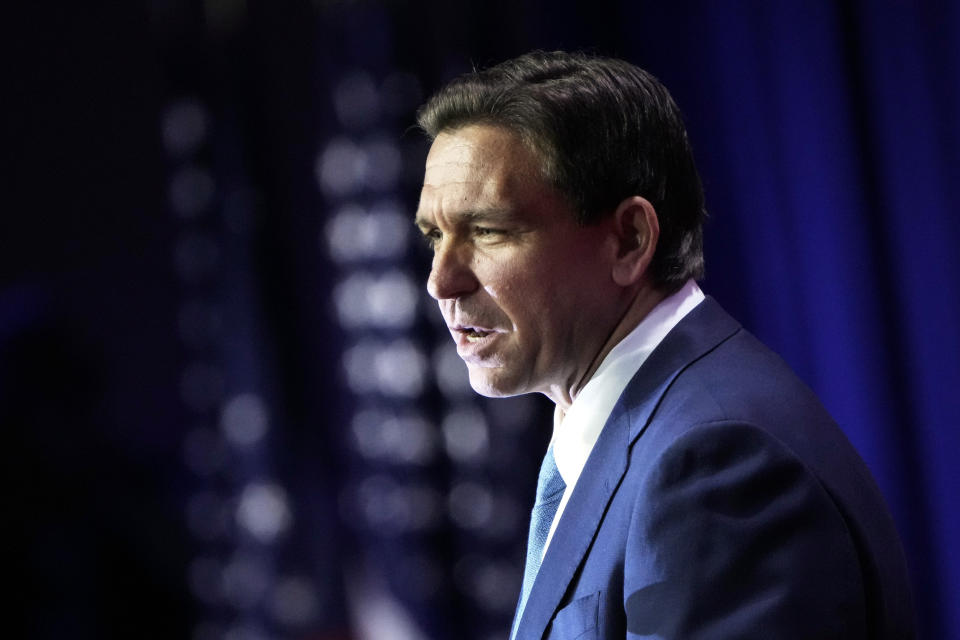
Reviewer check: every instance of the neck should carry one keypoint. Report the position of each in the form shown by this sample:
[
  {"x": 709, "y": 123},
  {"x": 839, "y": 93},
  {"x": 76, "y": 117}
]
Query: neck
[{"x": 642, "y": 303}]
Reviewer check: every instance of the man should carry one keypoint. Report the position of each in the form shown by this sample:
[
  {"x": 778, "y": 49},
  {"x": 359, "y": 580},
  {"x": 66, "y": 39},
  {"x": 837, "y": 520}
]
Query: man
[{"x": 694, "y": 487}]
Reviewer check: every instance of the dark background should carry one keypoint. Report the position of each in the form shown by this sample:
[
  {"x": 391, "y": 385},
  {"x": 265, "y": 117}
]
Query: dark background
[{"x": 231, "y": 413}]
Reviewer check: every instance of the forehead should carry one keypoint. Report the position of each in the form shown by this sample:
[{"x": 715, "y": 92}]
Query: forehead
[
  {"x": 478, "y": 146},
  {"x": 478, "y": 166}
]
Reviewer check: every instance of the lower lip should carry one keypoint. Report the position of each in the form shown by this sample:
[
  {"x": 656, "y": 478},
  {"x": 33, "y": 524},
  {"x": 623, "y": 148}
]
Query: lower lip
[{"x": 474, "y": 349}]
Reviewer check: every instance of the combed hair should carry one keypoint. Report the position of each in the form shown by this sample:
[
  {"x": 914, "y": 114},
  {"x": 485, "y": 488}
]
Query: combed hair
[{"x": 604, "y": 130}]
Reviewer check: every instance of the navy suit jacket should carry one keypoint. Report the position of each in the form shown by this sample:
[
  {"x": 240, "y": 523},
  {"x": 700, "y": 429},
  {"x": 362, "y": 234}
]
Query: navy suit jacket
[{"x": 721, "y": 501}]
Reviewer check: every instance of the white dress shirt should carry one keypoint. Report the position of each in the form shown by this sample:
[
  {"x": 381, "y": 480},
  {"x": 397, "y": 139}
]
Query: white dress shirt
[{"x": 575, "y": 433}]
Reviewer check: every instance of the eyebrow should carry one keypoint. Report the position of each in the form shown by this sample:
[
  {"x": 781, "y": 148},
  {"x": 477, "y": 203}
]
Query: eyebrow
[{"x": 471, "y": 216}]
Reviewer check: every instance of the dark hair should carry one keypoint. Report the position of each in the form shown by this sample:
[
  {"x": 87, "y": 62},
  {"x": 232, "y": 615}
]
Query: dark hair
[{"x": 604, "y": 129}]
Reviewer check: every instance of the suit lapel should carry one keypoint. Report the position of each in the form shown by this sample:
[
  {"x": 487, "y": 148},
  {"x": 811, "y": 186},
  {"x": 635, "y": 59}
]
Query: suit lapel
[{"x": 698, "y": 333}]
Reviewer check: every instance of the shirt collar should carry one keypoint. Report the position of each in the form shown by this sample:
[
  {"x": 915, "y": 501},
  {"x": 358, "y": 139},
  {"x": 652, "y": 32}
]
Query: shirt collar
[{"x": 575, "y": 433}]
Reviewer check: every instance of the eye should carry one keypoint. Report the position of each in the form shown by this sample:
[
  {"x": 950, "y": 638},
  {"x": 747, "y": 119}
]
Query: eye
[
  {"x": 487, "y": 231},
  {"x": 432, "y": 236}
]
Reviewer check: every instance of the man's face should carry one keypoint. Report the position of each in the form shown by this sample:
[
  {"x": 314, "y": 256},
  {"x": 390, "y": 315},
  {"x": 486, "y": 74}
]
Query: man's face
[{"x": 525, "y": 291}]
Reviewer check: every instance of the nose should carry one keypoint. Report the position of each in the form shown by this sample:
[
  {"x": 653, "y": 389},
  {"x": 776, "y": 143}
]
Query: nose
[{"x": 451, "y": 275}]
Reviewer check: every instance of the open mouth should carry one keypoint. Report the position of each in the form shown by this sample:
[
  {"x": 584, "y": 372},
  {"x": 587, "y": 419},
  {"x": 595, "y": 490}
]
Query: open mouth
[{"x": 473, "y": 334}]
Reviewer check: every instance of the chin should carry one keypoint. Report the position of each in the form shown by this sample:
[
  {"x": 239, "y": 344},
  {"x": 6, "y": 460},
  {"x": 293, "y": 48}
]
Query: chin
[{"x": 491, "y": 383}]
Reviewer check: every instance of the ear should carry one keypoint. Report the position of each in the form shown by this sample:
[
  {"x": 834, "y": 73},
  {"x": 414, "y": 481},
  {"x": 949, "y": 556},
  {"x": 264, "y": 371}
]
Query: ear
[{"x": 636, "y": 229}]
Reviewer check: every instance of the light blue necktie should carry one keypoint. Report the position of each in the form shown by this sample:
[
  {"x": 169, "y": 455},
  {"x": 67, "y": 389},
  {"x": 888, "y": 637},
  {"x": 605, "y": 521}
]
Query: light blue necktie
[{"x": 550, "y": 488}]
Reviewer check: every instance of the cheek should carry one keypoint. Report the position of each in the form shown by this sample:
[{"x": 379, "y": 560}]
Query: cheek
[
  {"x": 530, "y": 287},
  {"x": 517, "y": 285}
]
